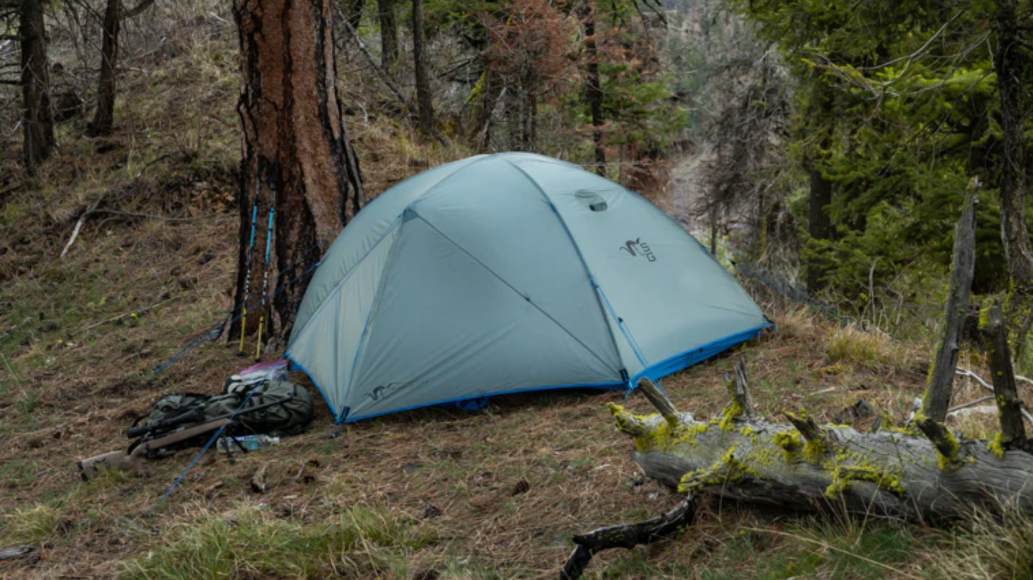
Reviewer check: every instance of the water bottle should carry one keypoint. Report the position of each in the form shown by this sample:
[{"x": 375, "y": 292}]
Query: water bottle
[{"x": 247, "y": 442}]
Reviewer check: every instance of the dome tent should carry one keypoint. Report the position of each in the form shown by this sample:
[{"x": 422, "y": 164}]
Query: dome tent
[{"x": 507, "y": 273}]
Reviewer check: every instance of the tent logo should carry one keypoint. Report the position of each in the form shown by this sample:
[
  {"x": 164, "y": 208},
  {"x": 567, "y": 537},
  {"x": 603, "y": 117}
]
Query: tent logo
[
  {"x": 637, "y": 247},
  {"x": 385, "y": 391}
]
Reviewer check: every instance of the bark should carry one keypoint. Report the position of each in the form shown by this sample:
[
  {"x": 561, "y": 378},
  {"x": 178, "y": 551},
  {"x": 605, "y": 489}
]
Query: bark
[
  {"x": 1006, "y": 393},
  {"x": 103, "y": 118},
  {"x": 594, "y": 91},
  {"x": 388, "y": 35},
  {"x": 1014, "y": 75},
  {"x": 424, "y": 98},
  {"x": 819, "y": 223},
  {"x": 941, "y": 374},
  {"x": 892, "y": 473},
  {"x": 296, "y": 152},
  {"x": 38, "y": 122}
]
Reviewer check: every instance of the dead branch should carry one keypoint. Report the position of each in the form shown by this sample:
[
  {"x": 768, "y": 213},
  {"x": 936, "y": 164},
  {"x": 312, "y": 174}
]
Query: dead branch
[
  {"x": 938, "y": 392},
  {"x": 626, "y": 536}
]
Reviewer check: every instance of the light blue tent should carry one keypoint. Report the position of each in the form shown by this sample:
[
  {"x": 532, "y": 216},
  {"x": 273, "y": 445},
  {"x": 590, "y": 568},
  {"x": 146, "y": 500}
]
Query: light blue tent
[{"x": 508, "y": 273}]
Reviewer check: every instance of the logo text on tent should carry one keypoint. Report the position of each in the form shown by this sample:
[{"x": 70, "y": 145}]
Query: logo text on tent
[
  {"x": 385, "y": 391},
  {"x": 637, "y": 247}
]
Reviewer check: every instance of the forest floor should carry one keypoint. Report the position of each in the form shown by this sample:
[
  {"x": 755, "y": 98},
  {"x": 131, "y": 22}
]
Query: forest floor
[{"x": 433, "y": 493}]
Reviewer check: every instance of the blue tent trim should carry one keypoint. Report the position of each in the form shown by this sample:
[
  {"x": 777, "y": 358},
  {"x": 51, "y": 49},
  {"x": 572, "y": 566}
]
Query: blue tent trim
[
  {"x": 661, "y": 369},
  {"x": 696, "y": 355},
  {"x": 612, "y": 386}
]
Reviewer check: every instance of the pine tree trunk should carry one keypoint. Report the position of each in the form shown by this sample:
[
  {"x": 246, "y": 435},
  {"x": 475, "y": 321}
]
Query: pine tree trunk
[
  {"x": 296, "y": 152},
  {"x": 424, "y": 98},
  {"x": 1014, "y": 76},
  {"x": 38, "y": 123},
  {"x": 105, "y": 114},
  {"x": 594, "y": 90},
  {"x": 388, "y": 36}
]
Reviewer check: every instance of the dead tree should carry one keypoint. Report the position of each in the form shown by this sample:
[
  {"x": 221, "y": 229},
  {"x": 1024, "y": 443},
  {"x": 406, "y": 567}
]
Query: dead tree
[
  {"x": 920, "y": 472},
  {"x": 38, "y": 118},
  {"x": 297, "y": 156},
  {"x": 104, "y": 117},
  {"x": 1009, "y": 405},
  {"x": 806, "y": 467},
  {"x": 941, "y": 375}
]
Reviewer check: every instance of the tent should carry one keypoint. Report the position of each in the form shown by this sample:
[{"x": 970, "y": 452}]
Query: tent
[{"x": 508, "y": 273}]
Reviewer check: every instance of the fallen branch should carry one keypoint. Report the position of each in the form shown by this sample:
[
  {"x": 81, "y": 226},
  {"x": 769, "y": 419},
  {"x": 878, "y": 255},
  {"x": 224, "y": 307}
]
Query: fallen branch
[
  {"x": 626, "y": 536},
  {"x": 124, "y": 315}
]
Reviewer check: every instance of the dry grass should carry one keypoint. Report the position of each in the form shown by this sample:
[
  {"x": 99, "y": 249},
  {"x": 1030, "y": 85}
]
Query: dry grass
[
  {"x": 866, "y": 348},
  {"x": 989, "y": 548}
]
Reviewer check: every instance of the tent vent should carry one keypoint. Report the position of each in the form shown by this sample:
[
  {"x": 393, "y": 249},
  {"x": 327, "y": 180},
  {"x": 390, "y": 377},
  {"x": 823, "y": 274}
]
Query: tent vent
[{"x": 591, "y": 199}]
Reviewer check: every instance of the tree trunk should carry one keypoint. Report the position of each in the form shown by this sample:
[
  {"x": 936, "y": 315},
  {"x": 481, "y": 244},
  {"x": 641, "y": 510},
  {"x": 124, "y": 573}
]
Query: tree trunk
[
  {"x": 38, "y": 122},
  {"x": 819, "y": 223},
  {"x": 424, "y": 98},
  {"x": 105, "y": 114},
  {"x": 1014, "y": 75},
  {"x": 805, "y": 467},
  {"x": 594, "y": 91},
  {"x": 296, "y": 154},
  {"x": 489, "y": 92},
  {"x": 388, "y": 36}
]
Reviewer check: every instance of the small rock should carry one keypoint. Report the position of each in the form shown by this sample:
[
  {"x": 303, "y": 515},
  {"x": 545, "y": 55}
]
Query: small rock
[
  {"x": 15, "y": 552},
  {"x": 175, "y": 271},
  {"x": 187, "y": 282},
  {"x": 208, "y": 257}
]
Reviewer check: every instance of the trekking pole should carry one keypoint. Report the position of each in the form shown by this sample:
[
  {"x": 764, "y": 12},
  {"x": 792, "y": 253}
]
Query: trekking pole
[
  {"x": 265, "y": 277},
  {"x": 247, "y": 271}
]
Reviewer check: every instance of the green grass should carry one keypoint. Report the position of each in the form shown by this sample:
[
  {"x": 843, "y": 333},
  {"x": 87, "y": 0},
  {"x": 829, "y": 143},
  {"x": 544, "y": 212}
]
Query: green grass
[
  {"x": 249, "y": 542},
  {"x": 30, "y": 525}
]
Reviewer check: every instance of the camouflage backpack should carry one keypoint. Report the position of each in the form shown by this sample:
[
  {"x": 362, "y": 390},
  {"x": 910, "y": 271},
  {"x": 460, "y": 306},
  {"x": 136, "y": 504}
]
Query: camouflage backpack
[{"x": 290, "y": 417}]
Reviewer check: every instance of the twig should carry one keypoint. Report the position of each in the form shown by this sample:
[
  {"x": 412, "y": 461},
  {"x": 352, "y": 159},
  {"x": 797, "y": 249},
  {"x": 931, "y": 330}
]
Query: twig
[
  {"x": 970, "y": 404},
  {"x": 75, "y": 233},
  {"x": 989, "y": 387},
  {"x": 121, "y": 316},
  {"x": 157, "y": 217}
]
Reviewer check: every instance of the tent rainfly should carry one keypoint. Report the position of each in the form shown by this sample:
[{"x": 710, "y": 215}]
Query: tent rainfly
[{"x": 507, "y": 273}]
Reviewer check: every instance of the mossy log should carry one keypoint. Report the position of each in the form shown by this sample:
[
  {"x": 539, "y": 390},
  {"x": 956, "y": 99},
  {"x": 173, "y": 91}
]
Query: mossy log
[{"x": 893, "y": 473}]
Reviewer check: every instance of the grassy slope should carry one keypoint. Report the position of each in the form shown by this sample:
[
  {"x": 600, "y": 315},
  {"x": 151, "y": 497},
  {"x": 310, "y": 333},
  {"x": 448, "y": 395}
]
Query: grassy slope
[{"x": 430, "y": 493}]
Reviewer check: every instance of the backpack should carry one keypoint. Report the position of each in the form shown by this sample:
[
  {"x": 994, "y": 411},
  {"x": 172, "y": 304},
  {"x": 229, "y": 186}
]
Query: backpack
[{"x": 290, "y": 417}]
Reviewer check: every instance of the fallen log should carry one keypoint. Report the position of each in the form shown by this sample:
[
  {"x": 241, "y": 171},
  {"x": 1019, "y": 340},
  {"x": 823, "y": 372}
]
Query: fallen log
[{"x": 805, "y": 467}]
